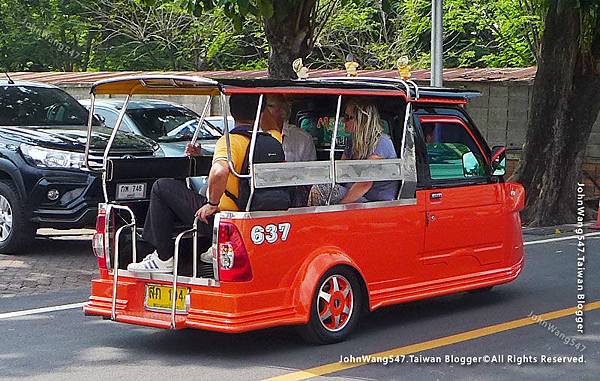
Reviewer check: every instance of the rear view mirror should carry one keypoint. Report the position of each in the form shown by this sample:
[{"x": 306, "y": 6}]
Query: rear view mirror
[{"x": 498, "y": 161}]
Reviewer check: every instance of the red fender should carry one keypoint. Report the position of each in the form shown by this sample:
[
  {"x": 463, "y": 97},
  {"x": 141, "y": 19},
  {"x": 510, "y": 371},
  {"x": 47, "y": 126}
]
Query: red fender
[{"x": 313, "y": 268}]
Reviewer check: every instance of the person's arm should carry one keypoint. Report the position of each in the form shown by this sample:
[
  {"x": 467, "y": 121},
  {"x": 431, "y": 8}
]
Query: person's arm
[
  {"x": 192, "y": 150},
  {"x": 217, "y": 181},
  {"x": 357, "y": 190}
]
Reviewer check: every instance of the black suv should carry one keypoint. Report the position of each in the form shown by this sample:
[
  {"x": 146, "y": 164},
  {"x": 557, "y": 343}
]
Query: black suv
[{"x": 43, "y": 180}]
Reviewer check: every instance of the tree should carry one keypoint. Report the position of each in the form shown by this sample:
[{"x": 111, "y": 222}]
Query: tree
[
  {"x": 291, "y": 26},
  {"x": 564, "y": 108}
]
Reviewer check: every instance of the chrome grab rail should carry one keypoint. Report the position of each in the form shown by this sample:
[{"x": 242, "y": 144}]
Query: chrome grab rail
[
  {"x": 131, "y": 225},
  {"x": 251, "y": 151},
  {"x": 400, "y": 81},
  {"x": 110, "y": 143},
  {"x": 180, "y": 236},
  {"x": 201, "y": 120},
  {"x": 228, "y": 140},
  {"x": 417, "y": 90},
  {"x": 332, "y": 147},
  {"x": 116, "y": 269},
  {"x": 89, "y": 132}
]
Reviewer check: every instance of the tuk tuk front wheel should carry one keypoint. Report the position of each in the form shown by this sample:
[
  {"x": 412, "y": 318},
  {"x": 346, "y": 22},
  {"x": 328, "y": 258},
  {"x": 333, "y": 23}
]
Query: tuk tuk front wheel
[{"x": 335, "y": 309}]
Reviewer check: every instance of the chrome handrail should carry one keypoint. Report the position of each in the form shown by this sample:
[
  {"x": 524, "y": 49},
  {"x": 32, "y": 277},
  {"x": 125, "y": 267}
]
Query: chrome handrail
[
  {"x": 332, "y": 147},
  {"x": 407, "y": 115},
  {"x": 403, "y": 82},
  {"x": 228, "y": 139},
  {"x": 417, "y": 90},
  {"x": 116, "y": 269},
  {"x": 89, "y": 132},
  {"x": 133, "y": 221},
  {"x": 200, "y": 121},
  {"x": 110, "y": 143},
  {"x": 180, "y": 236},
  {"x": 131, "y": 225},
  {"x": 251, "y": 151}
]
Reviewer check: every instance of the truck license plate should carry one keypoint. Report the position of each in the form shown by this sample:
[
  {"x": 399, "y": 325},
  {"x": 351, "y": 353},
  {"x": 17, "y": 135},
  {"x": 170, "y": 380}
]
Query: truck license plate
[
  {"x": 160, "y": 297},
  {"x": 131, "y": 191}
]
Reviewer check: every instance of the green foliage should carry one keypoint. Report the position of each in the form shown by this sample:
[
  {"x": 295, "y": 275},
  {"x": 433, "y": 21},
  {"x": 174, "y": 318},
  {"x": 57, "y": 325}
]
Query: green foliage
[{"x": 229, "y": 34}]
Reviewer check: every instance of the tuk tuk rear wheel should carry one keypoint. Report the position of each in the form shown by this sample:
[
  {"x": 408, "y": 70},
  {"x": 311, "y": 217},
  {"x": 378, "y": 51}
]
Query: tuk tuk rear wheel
[{"x": 335, "y": 309}]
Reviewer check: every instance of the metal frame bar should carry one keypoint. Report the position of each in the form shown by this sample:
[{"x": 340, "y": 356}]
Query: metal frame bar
[
  {"x": 116, "y": 269},
  {"x": 115, "y": 266},
  {"x": 215, "y": 246},
  {"x": 400, "y": 81},
  {"x": 332, "y": 147},
  {"x": 228, "y": 139},
  {"x": 320, "y": 209},
  {"x": 110, "y": 143},
  {"x": 251, "y": 151},
  {"x": 89, "y": 131},
  {"x": 407, "y": 115},
  {"x": 180, "y": 236},
  {"x": 201, "y": 120}
]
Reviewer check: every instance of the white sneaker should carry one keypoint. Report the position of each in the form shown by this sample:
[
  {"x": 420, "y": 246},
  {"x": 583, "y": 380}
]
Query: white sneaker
[
  {"x": 152, "y": 264},
  {"x": 207, "y": 256}
]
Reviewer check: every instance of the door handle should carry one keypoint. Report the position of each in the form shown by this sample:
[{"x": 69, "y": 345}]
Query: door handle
[{"x": 435, "y": 196}]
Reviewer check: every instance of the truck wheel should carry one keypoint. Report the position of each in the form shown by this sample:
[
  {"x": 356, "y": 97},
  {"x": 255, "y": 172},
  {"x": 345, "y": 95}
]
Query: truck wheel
[
  {"x": 16, "y": 232},
  {"x": 335, "y": 309}
]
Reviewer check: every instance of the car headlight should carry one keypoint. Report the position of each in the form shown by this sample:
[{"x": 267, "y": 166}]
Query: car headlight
[{"x": 50, "y": 158}]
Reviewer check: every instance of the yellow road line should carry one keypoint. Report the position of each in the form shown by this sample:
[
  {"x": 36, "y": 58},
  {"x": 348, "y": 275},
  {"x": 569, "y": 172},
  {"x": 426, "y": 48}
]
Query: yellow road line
[{"x": 432, "y": 344}]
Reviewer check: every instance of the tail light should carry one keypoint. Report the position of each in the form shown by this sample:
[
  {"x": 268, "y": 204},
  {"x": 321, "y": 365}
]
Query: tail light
[
  {"x": 234, "y": 264},
  {"x": 99, "y": 241}
]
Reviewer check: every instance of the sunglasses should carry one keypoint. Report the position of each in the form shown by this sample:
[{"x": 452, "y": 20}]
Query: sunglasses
[{"x": 347, "y": 118}]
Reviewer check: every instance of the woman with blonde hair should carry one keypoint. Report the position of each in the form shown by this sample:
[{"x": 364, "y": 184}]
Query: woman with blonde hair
[{"x": 367, "y": 142}]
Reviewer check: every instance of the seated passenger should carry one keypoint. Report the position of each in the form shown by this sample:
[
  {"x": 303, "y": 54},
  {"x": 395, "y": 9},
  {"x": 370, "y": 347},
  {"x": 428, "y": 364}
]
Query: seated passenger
[
  {"x": 297, "y": 143},
  {"x": 367, "y": 141},
  {"x": 171, "y": 200}
]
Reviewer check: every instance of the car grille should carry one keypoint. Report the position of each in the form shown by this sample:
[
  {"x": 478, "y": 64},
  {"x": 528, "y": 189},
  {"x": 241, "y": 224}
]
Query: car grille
[{"x": 95, "y": 157}]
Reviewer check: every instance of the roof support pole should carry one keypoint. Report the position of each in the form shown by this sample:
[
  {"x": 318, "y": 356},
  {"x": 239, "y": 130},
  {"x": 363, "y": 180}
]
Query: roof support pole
[{"x": 437, "y": 31}]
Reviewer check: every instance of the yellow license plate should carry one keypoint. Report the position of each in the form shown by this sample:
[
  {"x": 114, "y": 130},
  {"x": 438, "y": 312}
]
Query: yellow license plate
[{"x": 160, "y": 297}]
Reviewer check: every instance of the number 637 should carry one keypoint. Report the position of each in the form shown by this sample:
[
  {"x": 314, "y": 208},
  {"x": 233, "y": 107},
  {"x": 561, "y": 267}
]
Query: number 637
[{"x": 270, "y": 233}]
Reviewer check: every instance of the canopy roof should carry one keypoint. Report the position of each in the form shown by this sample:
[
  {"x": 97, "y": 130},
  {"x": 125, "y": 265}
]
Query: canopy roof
[{"x": 193, "y": 85}]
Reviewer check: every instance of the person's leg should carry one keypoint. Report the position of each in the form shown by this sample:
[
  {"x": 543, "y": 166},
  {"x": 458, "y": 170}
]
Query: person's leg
[{"x": 170, "y": 201}]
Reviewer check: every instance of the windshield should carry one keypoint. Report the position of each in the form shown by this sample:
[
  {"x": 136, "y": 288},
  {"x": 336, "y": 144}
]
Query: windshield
[
  {"x": 39, "y": 106},
  {"x": 168, "y": 124}
]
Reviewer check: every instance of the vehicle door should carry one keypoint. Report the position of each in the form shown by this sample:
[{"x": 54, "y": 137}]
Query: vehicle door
[{"x": 464, "y": 232}]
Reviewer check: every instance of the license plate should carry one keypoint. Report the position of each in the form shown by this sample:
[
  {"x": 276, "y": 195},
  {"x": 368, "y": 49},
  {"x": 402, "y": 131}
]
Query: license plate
[
  {"x": 160, "y": 297},
  {"x": 131, "y": 191}
]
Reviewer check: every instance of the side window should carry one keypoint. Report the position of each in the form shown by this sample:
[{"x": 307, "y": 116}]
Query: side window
[
  {"x": 452, "y": 152},
  {"x": 110, "y": 117},
  {"x": 321, "y": 129}
]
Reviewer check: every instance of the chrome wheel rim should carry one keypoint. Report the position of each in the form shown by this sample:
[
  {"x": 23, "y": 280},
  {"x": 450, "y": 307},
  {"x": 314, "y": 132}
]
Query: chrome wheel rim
[
  {"x": 6, "y": 219},
  {"x": 335, "y": 303}
]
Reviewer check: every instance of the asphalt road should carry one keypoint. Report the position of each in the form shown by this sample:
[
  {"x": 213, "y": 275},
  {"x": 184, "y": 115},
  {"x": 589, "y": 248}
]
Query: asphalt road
[{"x": 67, "y": 345}]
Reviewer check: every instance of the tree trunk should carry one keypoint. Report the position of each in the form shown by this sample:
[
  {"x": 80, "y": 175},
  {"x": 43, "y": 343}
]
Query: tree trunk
[
  {"x": 564, "y": 108},
  {"x": 290, "y": 35}
]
